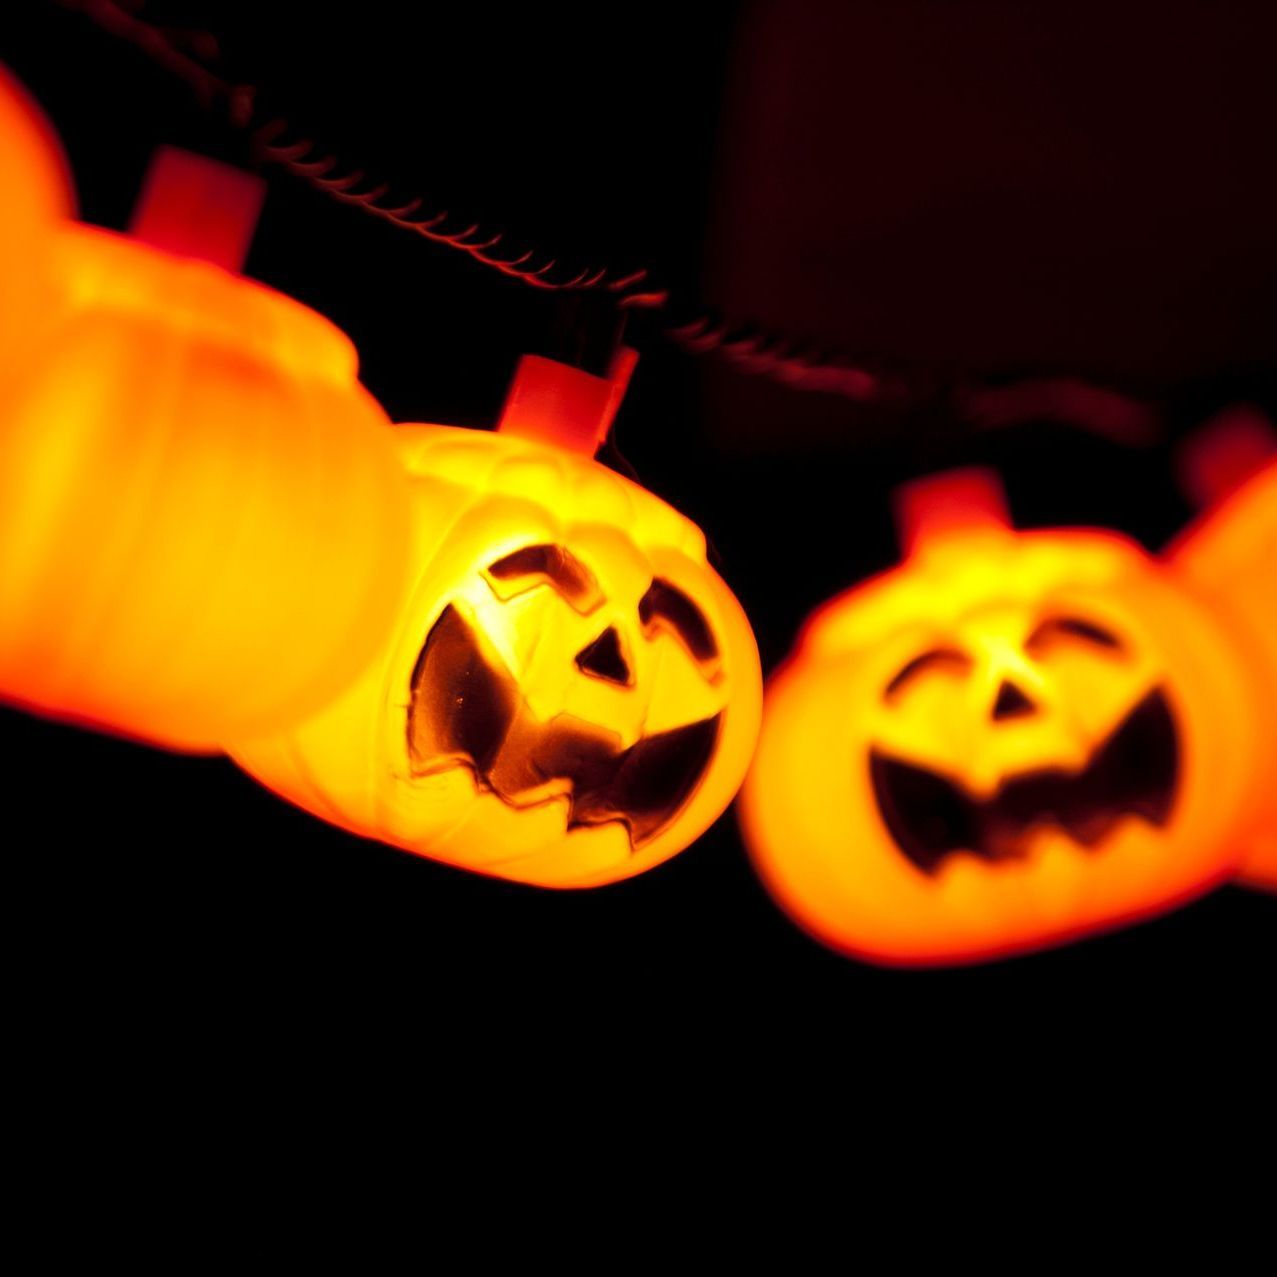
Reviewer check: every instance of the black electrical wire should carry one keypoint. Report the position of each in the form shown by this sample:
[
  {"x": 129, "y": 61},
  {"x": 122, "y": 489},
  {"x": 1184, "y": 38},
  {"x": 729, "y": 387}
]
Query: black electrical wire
[{"x": 752, "y": 351}]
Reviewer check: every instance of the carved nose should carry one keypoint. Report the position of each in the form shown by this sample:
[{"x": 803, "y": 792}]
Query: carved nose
[
  {"x": 604, "y": 658},
  {"x": 1011, "y": 702}
]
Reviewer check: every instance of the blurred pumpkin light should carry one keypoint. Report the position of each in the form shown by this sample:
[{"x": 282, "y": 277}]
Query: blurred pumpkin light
[
  {"x": 1230, "y": 555},
  {"x": 1008, "y": 741}
]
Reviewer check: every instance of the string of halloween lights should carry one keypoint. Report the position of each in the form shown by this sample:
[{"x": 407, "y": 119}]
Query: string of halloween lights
[{"x": 568, "y": 693}]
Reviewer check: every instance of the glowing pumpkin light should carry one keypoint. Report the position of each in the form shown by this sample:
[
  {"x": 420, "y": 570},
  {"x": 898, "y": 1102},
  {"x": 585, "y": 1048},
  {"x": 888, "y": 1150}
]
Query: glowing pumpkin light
[
  {"x": 1230, "y": 556},
  {"x": 203, "y": 527},
  {"x": 571, "y": 693},
  {"x": 1011, "y": 740}
]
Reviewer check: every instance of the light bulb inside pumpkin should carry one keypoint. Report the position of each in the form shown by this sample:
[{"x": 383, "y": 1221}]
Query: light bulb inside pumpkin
[
  {"x": 1008, "y": 741},
  {"x": 571, "y": 693}
]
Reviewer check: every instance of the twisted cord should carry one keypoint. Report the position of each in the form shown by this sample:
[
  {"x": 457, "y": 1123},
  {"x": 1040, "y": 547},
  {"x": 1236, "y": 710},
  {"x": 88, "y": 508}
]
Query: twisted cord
[
  {"x": 271, "y": 141},
  {"x": 303, "y": 159},
  {"x": 767, "y": 355}
]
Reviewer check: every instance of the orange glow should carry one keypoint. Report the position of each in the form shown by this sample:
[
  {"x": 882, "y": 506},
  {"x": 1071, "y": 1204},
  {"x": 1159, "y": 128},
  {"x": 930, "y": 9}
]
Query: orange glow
[
  {"x": 37, "y": 179},
  {"x": 1011, "y": 740},
  {"x": 571, "y": 694},
  {"x": 37, "y": 193},
  {"x": 203, "y": 527},
  {"x": 1230, "y": 556}
]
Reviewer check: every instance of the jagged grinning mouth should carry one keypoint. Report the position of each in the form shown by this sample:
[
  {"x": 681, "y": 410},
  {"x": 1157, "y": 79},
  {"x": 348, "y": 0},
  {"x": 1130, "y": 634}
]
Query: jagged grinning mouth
[
  {"x": 1133, "y": 773},
  {"x": 467, "y": 710}
]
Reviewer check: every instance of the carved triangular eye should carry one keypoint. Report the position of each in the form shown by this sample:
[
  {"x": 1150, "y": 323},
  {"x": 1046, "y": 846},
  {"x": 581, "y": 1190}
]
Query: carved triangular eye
[{"x": 604, "y": 658}]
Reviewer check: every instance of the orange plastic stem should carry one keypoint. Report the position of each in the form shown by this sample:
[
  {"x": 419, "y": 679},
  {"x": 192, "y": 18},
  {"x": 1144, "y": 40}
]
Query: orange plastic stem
[
  {"x": 956, "y": 501},
  {"x": 1216, "y": 460},
  {"x": 557, "y": 404},
  {"x": 197, "y": 207}
]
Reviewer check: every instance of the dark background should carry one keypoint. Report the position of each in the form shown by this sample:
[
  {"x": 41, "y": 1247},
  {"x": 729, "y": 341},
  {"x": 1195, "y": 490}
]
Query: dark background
[{"x": 967, "y": 192}]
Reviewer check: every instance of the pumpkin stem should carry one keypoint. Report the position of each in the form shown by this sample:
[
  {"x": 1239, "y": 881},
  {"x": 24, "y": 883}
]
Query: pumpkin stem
[
  {"x": 557, "y": 404},
  {"x": 197, "y": 207},
  {"x": 1216, "y": 460},
  {"x": 956, "y": 501}
]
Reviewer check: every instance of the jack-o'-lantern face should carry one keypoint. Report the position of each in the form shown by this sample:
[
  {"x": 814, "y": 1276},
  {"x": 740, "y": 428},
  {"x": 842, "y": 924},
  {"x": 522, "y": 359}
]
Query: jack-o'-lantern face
[
  {"x": 541, "y": 684},
  {"x": 1011, "y": 740},
  {"x": 1021, "y": 723},
  {"x": 571, "y": 694}
]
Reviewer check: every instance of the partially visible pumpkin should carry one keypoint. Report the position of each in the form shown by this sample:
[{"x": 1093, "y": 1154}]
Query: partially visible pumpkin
[
  {"x": 36, "y": 193},
  {"x": 203, "y": 528},
  {"x": 1230, "y": 555},
  {"x": 570, "y": 694},
  {"x": 1009, "y": 741}
]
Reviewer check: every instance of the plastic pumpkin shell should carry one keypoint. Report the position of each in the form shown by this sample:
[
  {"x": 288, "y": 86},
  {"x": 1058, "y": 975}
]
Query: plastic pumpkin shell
[
  {"x": 1230, "y": 556},
  {"x": 202, "y": 524},
  {"x": 570, "y": 695},
  {"x": 1010, "y": 741}
]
